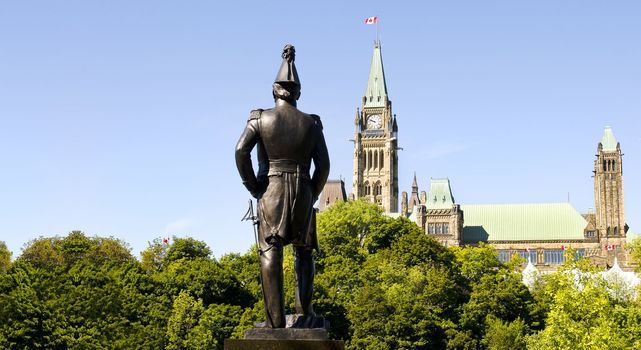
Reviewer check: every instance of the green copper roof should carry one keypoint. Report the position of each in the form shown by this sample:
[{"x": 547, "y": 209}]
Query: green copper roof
[
  {"x": 608, "y": 140},
  {"x": 522, "y": 222},
  {"x": 440, "y": 194},
  {"x": 376, "y": 88}
]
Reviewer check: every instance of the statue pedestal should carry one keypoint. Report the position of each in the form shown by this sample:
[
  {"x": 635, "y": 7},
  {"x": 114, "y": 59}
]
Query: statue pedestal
[
  {"x": 266, "y": 344},
  {"x": 286, "y": 338}
]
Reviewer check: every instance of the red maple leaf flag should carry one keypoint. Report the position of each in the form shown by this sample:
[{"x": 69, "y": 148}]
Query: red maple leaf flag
[
  {"x": 371, "y": 20},
  {"x": 563, "y": 247}
]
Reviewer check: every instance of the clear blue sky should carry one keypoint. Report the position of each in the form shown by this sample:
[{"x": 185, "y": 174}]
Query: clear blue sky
[{"x": 119, "y": 118}]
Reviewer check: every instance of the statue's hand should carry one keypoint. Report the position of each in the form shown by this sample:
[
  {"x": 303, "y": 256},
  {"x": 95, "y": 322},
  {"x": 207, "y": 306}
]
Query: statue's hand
[{"x": 260, "y": 188}]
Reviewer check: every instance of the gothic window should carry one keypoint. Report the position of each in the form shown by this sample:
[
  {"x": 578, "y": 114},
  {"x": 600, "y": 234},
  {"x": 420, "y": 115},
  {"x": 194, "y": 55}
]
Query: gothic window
[
  {"x": 376, "y": 159},
  {"x": 604, "y": 165},
  {"x": 608, "y": 232},
  {"x": 439, "y": 228},
  {"x": 378, "y": 188},
  {"x": 366, "y": 188},
  {"x": 380, "y": 161},
  {"x": 366, "y": 160},
  {"x": 430, "y": 229},
  {"x": 616, "y": 231},
  {"x": 504, "y": 255},
  {"x": 525, "y": 255},
  {"x": 369, "y": 159},
  {"x": 446, "y": 228},
  {"x": 553, "y": 256}
]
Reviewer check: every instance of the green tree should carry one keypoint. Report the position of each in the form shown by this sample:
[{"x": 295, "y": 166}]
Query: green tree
[
  {"x": 204, "y": 279},
  {"x": 42, "y": 253},
  {"x": 153, "y": 258},
  {"x": 5, "y": 257},
  {"x": 187, "y": 248},
  {"x": 216, "y": 324},
  {"x": 345, "y": 228},
  {"x": 476, "y": 262},
  {"x": 184, "y": 317},
  {"x": 504, "y": 335}
]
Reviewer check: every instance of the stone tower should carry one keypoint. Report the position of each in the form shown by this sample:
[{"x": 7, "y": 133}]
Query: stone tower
[
  {"x": 375, "y": 142},
  {"x": 608, "y": 191}
]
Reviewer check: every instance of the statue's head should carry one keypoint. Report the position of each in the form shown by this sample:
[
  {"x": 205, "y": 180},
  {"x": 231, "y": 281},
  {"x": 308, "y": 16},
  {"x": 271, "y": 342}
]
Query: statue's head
[{"x": 287, "y": 85}]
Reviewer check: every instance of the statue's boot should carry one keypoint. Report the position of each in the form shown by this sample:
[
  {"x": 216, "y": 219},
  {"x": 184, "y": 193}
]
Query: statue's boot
[
  {"x": 271, "y": 262},
  {"x": 304, "y": 267}
]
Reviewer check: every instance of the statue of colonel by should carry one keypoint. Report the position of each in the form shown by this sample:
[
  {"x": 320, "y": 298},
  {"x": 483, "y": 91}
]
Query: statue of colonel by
[{"x": 287, "y": 142}]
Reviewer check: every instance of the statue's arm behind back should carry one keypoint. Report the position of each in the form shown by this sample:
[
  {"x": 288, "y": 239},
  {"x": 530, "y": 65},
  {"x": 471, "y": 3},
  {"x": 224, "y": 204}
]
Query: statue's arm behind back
[
  {"x": 246, "y": 143},
  {"x": 320, "y": 156}
]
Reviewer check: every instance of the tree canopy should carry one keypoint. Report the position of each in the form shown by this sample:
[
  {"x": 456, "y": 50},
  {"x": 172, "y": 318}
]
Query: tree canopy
[{"x": 381, "y": 282}]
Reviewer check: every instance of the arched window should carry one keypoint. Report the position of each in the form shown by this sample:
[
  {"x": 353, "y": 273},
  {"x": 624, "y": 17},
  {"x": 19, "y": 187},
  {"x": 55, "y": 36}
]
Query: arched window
[
  {"x": 614, "y": 165},
  {"x": 608, "y": 232},
  {"x": 368, "y": 160},
  {"x": 380, "y": 160},
  {"x": 376, "y": 159},
  {"x": 369, "y": 155},
  {"x": 377, "y": 188},
  {"x": 366, "y": 188},
  {"x": 604, "y": 165},
  {"x": 616, "y": 231}
]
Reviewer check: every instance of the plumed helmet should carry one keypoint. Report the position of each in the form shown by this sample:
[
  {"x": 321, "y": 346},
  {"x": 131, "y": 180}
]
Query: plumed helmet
[{"x": 287, "y": 74}]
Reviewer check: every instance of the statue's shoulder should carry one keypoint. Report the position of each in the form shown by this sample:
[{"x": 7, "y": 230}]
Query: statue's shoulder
[
  {"x": 255, "y": 114},
  {"x": 317, "y": 120}
]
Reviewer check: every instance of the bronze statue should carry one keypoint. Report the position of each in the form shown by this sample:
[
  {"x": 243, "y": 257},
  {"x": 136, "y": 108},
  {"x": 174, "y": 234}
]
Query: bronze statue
[{"x": 287, "y": 141}]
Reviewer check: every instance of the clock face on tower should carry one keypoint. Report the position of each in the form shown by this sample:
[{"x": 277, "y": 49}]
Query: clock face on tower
[{"x": 374, "y": 121}]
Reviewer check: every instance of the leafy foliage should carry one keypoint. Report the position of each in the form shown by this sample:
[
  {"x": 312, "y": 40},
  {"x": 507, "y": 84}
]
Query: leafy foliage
[
  {"x": 381, "y": 282},
  {"x": 5, "y": 258}
]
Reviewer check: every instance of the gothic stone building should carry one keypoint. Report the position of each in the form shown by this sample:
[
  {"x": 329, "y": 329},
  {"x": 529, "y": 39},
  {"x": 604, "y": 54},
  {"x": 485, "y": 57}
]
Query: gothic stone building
[{"x": 538, "y": 232}]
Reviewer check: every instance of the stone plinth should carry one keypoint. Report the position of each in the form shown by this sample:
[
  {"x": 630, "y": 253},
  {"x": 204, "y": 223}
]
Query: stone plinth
[
  {"x": 261, "y": 338},
  {"x": 266, "y": 344},
  {"x": 286, "y": 334}
]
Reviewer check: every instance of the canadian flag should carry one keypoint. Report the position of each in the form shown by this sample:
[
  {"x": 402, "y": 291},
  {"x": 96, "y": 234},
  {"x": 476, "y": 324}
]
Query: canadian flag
[
  {"x": 527, "y": 250},
  {"x": 165, "y": 240},
  {"x": 610, "y": 247},
  {"x": 371, "y": 20},
  {"x": 562, "y": 247}
]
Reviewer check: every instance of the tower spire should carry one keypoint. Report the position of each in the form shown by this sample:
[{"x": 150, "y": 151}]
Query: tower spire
[
  {"x": 376, "y": 91},
  {"x": 414, "y": 184},
  {"x": 608, "y": 141}
]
